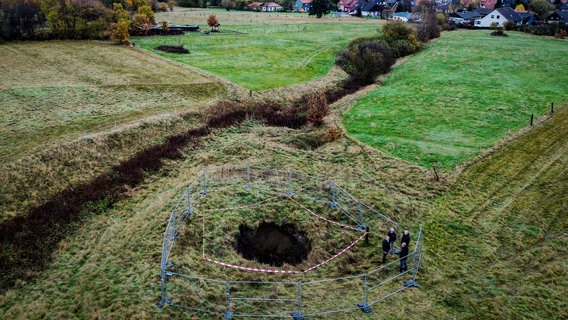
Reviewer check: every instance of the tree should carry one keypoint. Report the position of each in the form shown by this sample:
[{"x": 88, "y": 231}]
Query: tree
[
  {"x": 119, "y": 32},
  {"x": 213, "y": 23},
  {"x": 365, "y": 61},
  {"x": 428, "y": 28},
  {"x": 140, "y": 24},
  {"x": 146, "y": 10},
  {"x": 540, "y": 7},
  {"x": 319, "y": 8}
]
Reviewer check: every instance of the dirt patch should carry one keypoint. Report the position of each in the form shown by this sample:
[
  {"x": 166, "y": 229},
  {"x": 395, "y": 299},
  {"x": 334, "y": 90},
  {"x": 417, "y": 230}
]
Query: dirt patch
[
  {"x": 272, "y": 244},
  {"x": 172, "y": 49}
]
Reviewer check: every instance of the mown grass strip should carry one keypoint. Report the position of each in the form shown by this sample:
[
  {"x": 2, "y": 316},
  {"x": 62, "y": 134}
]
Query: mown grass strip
[
  {"x": 266, "y": 56},
  {"x": 460, "y": 95}
]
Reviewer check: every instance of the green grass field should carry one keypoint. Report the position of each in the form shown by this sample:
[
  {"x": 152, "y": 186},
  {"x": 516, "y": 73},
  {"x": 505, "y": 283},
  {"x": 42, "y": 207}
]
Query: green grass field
[
  {"x": 459, "y": 96},
  {"x": 62, "y": 89},
  {"x": 267, "y": 55},
  {"x": 495, "y": 240}
]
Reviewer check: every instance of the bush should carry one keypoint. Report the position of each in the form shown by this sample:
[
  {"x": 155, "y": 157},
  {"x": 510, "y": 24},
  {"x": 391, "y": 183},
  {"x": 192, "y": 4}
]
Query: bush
[
  {"x": 365, "y": 61},
  {"x": 509, "y": 25},
  {"x": 119, "y": 32},
  {"x": 317, "y": 106}
]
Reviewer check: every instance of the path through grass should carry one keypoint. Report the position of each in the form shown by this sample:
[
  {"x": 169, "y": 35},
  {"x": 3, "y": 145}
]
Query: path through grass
[{"x": 463, "y": 93}]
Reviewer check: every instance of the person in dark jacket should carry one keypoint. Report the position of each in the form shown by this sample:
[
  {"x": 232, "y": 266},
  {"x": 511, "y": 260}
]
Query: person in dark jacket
[
  {"x": 405, "y": 238},
  {"x": 403, "y": 254},
  {"x": 392, "y": 239},
  {"x": 386, "y": 248}
]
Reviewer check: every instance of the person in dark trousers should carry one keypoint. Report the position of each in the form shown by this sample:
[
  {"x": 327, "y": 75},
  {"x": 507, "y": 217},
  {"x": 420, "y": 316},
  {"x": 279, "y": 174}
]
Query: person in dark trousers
[
  {"x": 405, "y": 238},
  {"x": 392, "y": 239},
  {"x": 386, "y": 248},
  {"x": 403, "y": 253}
]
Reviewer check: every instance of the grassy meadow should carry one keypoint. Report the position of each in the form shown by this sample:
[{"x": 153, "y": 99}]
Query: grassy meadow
[
  {"x": 264, "y": 54},
  {"x": 462, "y": 94},
  {"x": 495, "y": 240},
  {"x": 64, "y": 89}
]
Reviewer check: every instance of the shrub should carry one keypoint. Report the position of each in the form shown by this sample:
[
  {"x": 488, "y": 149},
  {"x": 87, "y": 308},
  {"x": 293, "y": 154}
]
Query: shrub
[
  {"x": 509, "y": 25},
  {"x": 365, "y": 61},
  {"x": 119, "y": 32},
  {"x": 317, "y": 107},
  {"x": 140, "y": 24},
  {"x": 147, "y": 10}
]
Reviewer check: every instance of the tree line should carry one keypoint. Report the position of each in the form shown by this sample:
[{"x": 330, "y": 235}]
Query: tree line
[{"x": 77, "y": 19}]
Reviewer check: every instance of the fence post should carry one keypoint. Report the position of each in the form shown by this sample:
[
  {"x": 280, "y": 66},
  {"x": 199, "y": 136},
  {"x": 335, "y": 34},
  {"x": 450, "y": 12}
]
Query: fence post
[
  {"x": 364, "y": 306},
  {"x": 417, "y": 256},
  {"x": 291, "y": 192},
  {"x": 333, "y": 202},
  {"x": 228, "y": 314},
  {"x": 204, "y": 191},
  {"x": 298, "y": 314},
  {"x": 188, "y": 211},
  {"x": 361, "y": 222},
  {"x": 248, "y": 177}
]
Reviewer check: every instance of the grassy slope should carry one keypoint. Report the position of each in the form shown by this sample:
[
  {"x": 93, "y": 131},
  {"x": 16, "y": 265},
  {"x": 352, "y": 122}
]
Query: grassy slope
[
  {"x": 54, "y": 90},
  {"x": 269, "y": 55},
  {"x": 497, "y": 243},
  {"x": 463, "y": 93},
  {"x": 109, "y": 267}
]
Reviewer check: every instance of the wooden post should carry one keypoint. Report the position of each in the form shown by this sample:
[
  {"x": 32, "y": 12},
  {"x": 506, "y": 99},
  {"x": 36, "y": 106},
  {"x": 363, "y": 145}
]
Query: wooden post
[
  {"x": 552, "y": 107},
  {"x": 436, "y": 175},
  {"x": 532, "y": 117}
]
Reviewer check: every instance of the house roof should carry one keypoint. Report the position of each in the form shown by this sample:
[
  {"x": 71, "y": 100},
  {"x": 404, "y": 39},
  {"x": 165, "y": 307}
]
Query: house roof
[
  {"x": 509, "y": 14},
  {"x": 371, "y": 6},
  {"x": 255, "y": 4},
  {"x": 466, "y": 15},
  {"x": 483, "y": 11},
  {"x": 306, "y": 1},
  {"x": 406, "y": 15},
  {"x": 270, "y": 4}
]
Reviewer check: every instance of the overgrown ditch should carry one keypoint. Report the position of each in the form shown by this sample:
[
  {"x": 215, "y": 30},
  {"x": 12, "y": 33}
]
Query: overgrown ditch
[{"x": 28, "y": 241}]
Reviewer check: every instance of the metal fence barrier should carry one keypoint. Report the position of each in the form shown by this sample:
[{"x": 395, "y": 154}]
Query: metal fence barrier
[{"x": 277, "y": 299}]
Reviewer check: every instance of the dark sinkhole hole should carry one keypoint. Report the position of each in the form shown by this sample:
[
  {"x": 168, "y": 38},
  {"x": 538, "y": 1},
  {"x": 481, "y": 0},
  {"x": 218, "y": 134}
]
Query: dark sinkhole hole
[{"x": 272, "y": 244}]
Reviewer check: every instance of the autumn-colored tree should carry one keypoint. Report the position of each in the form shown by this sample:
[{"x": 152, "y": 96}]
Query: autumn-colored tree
[
  {"x": 140, "y": 24},
  {"x": 138, "y": 3},
  {"x": 163, "y": 6},
  {"x": 165, "y": 27},
  {"x": 119, "y": 13},
  {"x": 147, "y": 10},
  {"x": 171, "y": 4},
  {"x": 213, "y": 23},
  {"x": 119, "y": 32}
]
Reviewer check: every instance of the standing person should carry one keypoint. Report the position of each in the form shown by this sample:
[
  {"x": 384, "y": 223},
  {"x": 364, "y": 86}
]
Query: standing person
[
  {"x": 392, "y": 239},
  {"x": 405, "y": 238},
  {"x": 386, "y": 248},
  {"x": 403, "y": 254}
]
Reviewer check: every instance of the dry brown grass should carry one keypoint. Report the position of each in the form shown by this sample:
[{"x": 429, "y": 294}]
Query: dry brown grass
[{"x": 57, "y": 91}]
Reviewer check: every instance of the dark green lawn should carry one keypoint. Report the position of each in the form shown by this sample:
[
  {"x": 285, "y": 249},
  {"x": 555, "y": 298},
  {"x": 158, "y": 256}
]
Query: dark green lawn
[
  {"x": 266, "y": 56},
  {"x": 463, "y": 93}
]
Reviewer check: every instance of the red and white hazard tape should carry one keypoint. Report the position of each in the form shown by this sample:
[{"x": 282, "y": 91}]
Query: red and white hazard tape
[
  {"x": 252, "y": 269},
  {"x": 323, "y": 218},
  {"x": 286, "y": 271},
  {"x": 336, "y": 255}
]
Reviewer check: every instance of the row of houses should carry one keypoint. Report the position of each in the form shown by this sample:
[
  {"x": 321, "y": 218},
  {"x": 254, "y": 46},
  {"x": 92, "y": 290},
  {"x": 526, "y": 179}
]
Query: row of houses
[
  {"x": 299, "y": 5},
  {"x": 485, "y": 18}
]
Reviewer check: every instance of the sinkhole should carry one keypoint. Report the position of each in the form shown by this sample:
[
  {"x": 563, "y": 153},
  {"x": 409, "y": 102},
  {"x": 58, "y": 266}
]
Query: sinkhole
[{"x": 272, "y": 244}]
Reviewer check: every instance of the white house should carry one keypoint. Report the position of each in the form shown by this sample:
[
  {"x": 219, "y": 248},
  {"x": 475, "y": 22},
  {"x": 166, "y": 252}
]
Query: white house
[
  {"x": 270, "y": 7},
  {"x": 500, "y": 16}
]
